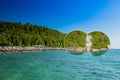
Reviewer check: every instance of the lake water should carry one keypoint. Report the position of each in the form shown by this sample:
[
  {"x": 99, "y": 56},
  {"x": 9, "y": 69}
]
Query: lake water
[{"x": 60, "y": 65}]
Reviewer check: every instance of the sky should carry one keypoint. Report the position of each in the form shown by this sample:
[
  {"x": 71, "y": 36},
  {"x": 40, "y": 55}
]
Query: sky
[{"x": 67, "y": 15}]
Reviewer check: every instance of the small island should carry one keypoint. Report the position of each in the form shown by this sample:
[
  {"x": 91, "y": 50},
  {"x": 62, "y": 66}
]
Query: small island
[
  {"x": 79, "y": 41},
  {"x": 100, "y": 41},
  {"x": 16, "y": 37}
]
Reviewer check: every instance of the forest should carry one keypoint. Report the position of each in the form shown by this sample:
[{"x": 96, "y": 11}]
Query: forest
[{"x": 17, "y": 34}]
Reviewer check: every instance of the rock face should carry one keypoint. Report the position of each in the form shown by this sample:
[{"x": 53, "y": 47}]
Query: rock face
[
  {"x": 88, "y": 43},
  {"x": 87, "y": 48}
]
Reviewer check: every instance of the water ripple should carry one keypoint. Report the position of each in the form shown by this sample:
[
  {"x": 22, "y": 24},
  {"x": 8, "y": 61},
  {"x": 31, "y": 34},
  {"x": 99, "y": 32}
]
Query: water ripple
[{"x": 59, "y": 65}]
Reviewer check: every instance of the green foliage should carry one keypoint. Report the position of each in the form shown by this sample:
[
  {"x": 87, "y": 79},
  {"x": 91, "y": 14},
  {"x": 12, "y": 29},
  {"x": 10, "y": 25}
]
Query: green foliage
[
  {"x": 99, "y": 40},
  {"x": 75, "y": 39},
  {"x": 17, "y": 34}
]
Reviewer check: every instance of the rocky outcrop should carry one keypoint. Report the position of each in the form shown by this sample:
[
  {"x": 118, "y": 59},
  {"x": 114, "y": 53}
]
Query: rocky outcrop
[
  {"x": 88, "y": 43},
  {"x": 79, "y": 49},
  {"x": 22, "y": 49},
  {"x": 89, "y": 48},
  {"x": 102, "y": 49}
]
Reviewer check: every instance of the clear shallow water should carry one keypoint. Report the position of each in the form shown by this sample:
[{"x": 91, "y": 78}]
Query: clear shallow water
[{"x": 60, "y": 65}]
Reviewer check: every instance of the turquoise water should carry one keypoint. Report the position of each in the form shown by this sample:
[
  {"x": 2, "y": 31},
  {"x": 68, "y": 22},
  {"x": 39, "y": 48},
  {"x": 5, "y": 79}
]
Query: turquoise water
[{"x": 60, "y": 65}]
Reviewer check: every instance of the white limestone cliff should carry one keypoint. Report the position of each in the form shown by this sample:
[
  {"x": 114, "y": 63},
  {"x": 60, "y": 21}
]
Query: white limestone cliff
[{"x": 88, "y": 43}]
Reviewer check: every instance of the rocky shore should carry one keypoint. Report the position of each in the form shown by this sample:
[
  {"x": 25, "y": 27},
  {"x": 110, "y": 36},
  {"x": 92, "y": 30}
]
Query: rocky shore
[
  {"x": 42, "y": 48},
  {"x": 84, "y": 49},
  {"x": 24, "y": 49}
]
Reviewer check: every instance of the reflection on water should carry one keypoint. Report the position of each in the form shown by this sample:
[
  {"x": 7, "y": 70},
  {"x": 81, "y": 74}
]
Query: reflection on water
[
  {"x": 96, "y": 53},
  {"x": 77, "y": 53}
]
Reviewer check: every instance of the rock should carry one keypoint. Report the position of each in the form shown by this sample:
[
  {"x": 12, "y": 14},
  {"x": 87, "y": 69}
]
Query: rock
[
  {"x": 88, "y": 43},
  {"x": 80, "y": 49},
  {"x": 30, "y": 48}
]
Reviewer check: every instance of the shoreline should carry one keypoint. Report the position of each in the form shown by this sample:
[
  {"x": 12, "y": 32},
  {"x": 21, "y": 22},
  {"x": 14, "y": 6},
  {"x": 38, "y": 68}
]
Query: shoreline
[
  {"x": 26, "y": 49},
  {"x": 7, "y": 49}
]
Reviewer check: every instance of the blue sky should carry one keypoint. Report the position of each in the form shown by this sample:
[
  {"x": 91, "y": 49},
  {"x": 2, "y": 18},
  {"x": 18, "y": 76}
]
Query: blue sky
[{"x": 67, "y": 15}]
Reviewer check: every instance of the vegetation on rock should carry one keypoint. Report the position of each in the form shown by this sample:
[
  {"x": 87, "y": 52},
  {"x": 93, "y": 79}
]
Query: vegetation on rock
[
  {"x": 99, "y": 40},
  {"x": 75, "y": 39}
]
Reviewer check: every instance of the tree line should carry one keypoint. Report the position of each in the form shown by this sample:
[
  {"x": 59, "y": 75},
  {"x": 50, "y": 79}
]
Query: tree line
[{"x": 17, "y": 34}]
